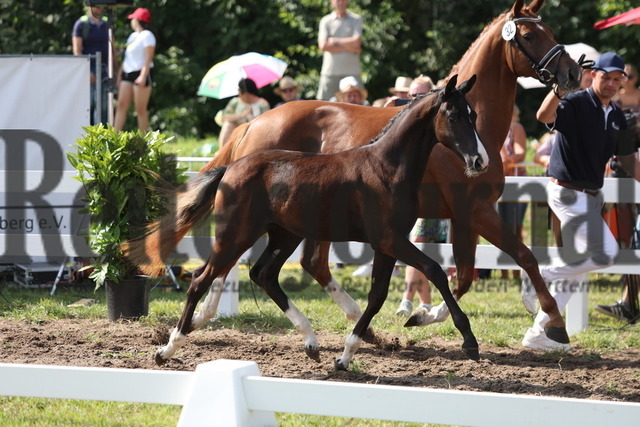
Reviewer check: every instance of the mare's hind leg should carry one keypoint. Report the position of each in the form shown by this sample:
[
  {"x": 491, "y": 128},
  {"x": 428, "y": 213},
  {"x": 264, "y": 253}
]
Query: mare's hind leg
[
  {"x": 315, "y": 260},
  {"x": 265, "y": 273},
  {"x": 382, "y": 269},
  {"x": 409, "y": 254}
]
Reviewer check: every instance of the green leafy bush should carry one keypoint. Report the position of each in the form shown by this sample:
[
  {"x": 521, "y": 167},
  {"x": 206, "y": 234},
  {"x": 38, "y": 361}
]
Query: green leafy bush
[{"x": 122, "y": 173}]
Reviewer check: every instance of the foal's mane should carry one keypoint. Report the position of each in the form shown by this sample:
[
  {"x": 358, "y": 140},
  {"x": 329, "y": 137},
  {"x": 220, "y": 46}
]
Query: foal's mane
[{"x": 415, "y": 101}]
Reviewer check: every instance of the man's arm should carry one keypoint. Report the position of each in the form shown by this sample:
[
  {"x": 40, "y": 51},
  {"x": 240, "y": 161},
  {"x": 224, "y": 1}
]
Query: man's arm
[
  {"x": 351, "y": 44},
  {"x": 631, "y": 165},
  {"x": 76, "y": 45},
  {"x": 547, "y": 111}
]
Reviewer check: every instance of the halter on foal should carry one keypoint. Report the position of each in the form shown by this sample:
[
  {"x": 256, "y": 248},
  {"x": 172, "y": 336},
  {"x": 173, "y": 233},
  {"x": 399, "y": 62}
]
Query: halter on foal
[{"x": 334, "y": 197}]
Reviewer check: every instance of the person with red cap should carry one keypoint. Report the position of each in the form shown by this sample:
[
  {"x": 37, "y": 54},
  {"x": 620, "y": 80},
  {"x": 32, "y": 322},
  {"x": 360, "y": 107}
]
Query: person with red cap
[{"x": 135, "y": 78}]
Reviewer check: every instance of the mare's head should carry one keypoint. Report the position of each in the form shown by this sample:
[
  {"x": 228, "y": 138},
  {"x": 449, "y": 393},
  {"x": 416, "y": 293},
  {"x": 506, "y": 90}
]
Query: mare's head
[
  {"x": 532, "y": 50},
  {"x": 455, "y": 126}
]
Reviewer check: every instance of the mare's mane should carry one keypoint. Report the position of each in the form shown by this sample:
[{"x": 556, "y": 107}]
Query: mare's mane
[
  {"x": 414, "y": 101},
  {"x": 472, "y": 49}
]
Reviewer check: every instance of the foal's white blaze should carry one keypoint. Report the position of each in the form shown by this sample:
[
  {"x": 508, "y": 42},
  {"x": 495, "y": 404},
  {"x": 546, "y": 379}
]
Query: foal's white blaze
[
  {"x": 481, "y": 150},
  {"x": 176, "y": 340},
  {"x": 351, "y": 345},
  {"x": 344, "y": 300},
  {"x": 302, "y": 325},
  {"x": 209, "y": 306}
]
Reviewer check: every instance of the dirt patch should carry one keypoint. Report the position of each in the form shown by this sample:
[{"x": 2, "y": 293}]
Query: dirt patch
[{"x": 434, "y": 363}]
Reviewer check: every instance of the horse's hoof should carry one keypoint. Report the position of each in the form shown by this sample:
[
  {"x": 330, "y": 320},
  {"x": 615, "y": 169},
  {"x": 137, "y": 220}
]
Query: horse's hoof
[
  {"x": 312, "y": 353},
  {"x": 369, "y": 336},
  {"x": 421, "y": 317},
  {"x": 557, "y": 334},
  {"x": 339, "y": 366},
  {"x": 412, "y": 321},
  {"x": 472, "y": 353},
  {"x": 159, "y": 359}
]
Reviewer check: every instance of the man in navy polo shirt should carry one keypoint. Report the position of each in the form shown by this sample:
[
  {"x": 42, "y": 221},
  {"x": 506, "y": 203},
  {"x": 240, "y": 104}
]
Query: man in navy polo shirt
[{"x": 590, "y": 130}]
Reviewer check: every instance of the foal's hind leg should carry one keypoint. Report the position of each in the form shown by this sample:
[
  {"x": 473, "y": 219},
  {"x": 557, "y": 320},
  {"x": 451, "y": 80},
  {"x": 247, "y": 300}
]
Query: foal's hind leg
[
  {"x": 209, "y": 306},
  {"x": 382, "y": 269},
  {"x": 315, "y": 260},
  {"x": 265, "y": 273},
  {"x": 200, "y": 283}
]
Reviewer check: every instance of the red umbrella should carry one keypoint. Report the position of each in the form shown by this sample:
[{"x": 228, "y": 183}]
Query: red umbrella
[{"x": 631, "y": 17}]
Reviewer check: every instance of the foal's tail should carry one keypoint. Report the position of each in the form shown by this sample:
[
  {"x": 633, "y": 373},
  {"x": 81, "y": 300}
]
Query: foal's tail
[
  {"x": 193, "y": 203},
  {"x": 227, "y": 153}
]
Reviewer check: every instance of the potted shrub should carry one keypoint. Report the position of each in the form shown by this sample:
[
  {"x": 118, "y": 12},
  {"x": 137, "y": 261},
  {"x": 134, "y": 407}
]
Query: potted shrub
[{"x": 121, "y": 173}]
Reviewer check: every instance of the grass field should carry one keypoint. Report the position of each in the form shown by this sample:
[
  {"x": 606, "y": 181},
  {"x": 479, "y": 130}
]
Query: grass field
[{"x": 493, "y": 306}]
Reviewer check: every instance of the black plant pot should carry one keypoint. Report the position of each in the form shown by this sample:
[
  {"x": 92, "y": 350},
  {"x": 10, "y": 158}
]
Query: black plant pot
[{"x": 128, "y": 299}]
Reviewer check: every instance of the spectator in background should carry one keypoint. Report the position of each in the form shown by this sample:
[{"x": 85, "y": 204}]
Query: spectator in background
[
  {"x": 621, "y": 217},
  {"x": 89, "y": 36},
  {"x": 136, "y": 77},
  {"x": 340, "y": 40},
  {"x": 424, "y": 231},
  {"x": 513, "y": 151},
  {"x": 287, "y": 90},
  {"x": 400, "y": 91},
  {"x": 351, "y": 92},
  {"x": 241, "y": 109}
]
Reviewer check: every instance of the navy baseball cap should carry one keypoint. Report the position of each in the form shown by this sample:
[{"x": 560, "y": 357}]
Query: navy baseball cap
[{"x": 609, "y": 62}]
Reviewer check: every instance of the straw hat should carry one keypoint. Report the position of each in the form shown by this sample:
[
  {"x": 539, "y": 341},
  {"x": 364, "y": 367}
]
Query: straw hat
[
  {"x": 402, "y": 85},
  {"x": 349, "y": 84},
  {"x": 285, "y": 83}
]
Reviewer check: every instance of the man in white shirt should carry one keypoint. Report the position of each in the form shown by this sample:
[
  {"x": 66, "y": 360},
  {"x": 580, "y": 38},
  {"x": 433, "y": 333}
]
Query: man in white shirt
[{"x": 340, "y": 40}]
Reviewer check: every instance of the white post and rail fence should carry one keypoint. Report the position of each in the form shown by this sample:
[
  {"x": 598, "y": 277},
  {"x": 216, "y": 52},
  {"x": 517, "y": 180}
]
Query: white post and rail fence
[{"x": 232, "y": 393}]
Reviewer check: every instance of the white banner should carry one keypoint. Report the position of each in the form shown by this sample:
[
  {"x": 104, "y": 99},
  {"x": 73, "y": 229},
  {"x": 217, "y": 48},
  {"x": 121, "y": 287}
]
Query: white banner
[{"x": 44, "y": 103}]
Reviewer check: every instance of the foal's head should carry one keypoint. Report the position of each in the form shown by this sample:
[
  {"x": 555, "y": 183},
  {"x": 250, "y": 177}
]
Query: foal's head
[{"x": 455, "y": 126}]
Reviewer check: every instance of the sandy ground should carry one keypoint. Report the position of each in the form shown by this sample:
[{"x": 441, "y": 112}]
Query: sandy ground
[{"x": 434, "y": 363}]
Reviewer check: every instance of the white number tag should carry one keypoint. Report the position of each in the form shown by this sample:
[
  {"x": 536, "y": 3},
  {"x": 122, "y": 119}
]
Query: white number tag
[{"x": 509, "y": 30}]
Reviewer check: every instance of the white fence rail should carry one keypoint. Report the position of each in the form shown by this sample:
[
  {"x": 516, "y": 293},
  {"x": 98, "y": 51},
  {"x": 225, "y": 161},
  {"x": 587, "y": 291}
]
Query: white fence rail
[{"x": 232, "y": 393}]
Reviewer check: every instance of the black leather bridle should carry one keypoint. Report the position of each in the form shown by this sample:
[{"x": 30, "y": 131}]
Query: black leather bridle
[{"x": 545, "y": 76}]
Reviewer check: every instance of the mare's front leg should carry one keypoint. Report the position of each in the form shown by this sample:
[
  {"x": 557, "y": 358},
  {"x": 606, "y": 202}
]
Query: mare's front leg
[
  {"x": 315, "y": 260},
  {"x": 201, "y": 281},
  {"x": 411, "y": 255},
  {"x": 492, "y": 228},
  {"x": 381, "y": 275}
]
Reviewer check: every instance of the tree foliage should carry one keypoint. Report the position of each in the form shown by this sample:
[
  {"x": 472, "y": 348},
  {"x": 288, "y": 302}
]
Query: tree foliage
[{"x": 402, "y": 37}]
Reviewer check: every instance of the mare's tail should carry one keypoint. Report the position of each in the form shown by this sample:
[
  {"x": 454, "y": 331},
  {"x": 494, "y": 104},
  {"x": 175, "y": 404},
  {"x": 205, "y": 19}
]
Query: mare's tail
[
  {"x": 226, "y": 154},
  {"x": 193, "y": 202}
]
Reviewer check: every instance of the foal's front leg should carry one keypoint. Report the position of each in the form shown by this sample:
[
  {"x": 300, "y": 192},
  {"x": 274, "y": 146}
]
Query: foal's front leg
[
  {"x": 382, "y": 269},
  {"x": 411, "y": 255}
]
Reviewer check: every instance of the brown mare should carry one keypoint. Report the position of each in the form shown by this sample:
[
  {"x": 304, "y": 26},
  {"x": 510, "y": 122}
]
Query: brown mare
[
  {"x": 313, "y": 126},
  {"x": 334, "y": 197}
]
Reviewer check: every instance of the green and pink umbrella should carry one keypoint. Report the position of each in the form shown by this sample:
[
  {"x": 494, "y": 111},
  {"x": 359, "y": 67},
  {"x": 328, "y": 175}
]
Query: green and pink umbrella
[{"x": 221, "y": 81}]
